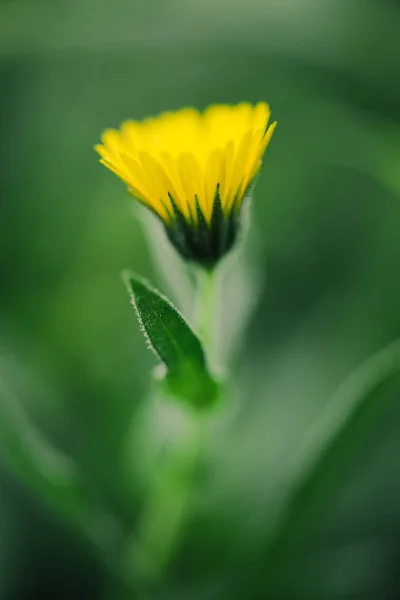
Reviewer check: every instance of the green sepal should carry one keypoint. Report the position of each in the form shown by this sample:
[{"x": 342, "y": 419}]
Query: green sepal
[
  {"x": 202, "y": 242},
  {"x": 174, "y": 342}
]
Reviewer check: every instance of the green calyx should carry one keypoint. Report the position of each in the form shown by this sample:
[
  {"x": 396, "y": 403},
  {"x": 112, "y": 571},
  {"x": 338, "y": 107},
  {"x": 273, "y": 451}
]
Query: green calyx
[{"x": 201, "y": 242}]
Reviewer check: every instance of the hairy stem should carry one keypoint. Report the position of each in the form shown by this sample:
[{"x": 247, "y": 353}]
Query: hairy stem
[
  {"x": 205, "y": 308},
  {"x": 167, "y": 504}
]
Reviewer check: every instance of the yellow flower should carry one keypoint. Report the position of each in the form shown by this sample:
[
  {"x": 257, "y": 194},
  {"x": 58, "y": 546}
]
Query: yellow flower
[{"x": 193, "y": 170}]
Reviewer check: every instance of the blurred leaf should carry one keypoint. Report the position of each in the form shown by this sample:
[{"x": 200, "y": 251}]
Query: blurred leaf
[
  {"x": 55, "y": 479},
  {"x": 323, "y": 460},
  {"x": 240, "y": 277},
  {"x": 174, "y": 342},
  {"x": 51, "y": 474}
]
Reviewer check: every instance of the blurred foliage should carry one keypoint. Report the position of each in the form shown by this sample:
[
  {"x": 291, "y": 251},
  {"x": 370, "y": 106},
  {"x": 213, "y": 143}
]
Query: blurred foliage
[{"x": 322, "y": 259}]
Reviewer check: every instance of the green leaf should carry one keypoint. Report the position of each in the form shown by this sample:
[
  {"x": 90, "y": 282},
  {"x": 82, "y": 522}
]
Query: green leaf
[{"x": 174, "y": 342}]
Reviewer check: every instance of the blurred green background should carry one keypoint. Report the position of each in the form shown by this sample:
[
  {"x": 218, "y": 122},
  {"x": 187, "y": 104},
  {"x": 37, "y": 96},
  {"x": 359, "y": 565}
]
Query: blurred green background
[{"x": 319, "y": 271}]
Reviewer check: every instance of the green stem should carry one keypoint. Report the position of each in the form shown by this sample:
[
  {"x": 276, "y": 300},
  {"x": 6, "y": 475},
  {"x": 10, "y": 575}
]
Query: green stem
[
  {"x": 205, "y": 308},
  {"x": 167, "y": 506}
]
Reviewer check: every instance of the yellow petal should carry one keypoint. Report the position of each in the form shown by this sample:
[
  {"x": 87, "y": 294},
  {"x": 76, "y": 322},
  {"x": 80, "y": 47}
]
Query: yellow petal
[{"x": 185, "y": 155}]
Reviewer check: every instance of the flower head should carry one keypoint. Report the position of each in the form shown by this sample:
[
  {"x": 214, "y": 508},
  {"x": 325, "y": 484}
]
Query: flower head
[{"x": 193, "y": 170}]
